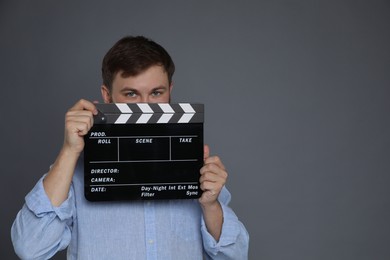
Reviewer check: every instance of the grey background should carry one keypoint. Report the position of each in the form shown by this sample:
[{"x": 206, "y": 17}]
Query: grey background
[{"x": 296, "y": 94}]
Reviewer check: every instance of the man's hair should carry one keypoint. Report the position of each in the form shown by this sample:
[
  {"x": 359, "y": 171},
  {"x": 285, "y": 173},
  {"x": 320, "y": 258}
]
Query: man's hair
[{"x": 133, "y": 55}]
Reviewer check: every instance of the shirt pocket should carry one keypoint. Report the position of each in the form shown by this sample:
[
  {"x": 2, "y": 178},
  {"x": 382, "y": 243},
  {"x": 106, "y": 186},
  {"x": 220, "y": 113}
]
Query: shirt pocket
[{"x": 185, "y": 218}]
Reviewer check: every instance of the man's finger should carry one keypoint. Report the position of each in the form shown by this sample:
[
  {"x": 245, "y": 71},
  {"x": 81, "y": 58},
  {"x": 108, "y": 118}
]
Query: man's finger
[
  {"x": 83, "y": 104},
  {"x": 206, "y": 152}
]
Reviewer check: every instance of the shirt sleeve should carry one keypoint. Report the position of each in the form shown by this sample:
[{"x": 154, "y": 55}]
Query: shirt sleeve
[
  {"x": 40, "y": 230},
  {"x": 234, "y": 240}
]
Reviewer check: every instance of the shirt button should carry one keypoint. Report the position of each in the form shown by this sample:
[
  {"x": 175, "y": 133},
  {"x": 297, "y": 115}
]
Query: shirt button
[{"x": 150, "y": 241}]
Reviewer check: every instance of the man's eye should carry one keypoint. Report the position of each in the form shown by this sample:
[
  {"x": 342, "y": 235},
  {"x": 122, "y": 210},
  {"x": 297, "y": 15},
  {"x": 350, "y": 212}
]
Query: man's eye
[
  {"x": 131, "y": 94},
  {"x": 156, "y": 93}
]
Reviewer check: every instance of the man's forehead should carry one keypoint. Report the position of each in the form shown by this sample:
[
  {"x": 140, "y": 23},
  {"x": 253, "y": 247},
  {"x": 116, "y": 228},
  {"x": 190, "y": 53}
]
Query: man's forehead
[
  {"x": 147, "y": 81},
  {"x": 134, "y": 73}
]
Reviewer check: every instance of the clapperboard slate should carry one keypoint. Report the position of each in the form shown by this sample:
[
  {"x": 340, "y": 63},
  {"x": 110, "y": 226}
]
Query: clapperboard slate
[{"x": 144, "y": 151}]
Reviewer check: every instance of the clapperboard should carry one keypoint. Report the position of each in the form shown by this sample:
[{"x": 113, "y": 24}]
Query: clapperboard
[{"x": 144, "y": 151}]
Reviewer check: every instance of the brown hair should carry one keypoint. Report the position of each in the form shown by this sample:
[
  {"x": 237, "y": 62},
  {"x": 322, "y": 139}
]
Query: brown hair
[{"x": 132, "y": 55}]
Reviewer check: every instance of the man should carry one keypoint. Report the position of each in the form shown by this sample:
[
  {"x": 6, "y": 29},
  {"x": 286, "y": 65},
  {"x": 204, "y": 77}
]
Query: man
[{"x": 56, "y": 215}]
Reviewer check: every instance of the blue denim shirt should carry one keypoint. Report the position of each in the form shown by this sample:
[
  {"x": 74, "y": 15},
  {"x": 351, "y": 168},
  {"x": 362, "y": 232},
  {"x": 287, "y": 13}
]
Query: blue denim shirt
[{"x": 171, "y": 229}]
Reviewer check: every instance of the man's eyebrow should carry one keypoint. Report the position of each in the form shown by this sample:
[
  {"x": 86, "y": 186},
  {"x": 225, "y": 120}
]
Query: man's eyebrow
[
  {"x": 128, "y": 89},
  {"x": 159, "y": 87}
]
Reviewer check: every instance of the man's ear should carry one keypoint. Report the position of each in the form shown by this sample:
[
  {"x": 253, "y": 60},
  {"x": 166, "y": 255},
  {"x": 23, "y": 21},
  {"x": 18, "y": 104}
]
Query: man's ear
[
  {"x": 170, "y": 87},
  {"x": 170, "y": 92},
  {"x": 105, "y": 94}
]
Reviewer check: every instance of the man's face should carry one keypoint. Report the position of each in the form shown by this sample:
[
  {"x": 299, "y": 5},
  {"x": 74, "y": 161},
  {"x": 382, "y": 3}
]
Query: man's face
[{"x": 150, "y": 86}]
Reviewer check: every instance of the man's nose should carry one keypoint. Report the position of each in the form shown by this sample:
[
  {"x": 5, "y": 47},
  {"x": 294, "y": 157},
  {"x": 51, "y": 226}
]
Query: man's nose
[{"x": 144, "y": 99}]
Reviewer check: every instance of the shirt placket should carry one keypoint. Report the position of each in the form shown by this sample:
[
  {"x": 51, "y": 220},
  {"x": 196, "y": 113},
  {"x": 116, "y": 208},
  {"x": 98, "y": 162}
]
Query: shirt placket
[{"x": 150, "y": 231}]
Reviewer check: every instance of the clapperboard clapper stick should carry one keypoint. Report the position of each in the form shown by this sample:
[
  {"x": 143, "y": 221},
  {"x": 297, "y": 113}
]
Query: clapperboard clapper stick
[{"x": 144, "y": 151}]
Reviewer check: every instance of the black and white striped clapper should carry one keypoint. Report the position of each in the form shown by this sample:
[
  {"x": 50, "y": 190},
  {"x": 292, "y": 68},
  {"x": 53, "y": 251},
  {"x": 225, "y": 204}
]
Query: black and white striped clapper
[
  {"x": 144, "y": 151},
  {"x": 143, "y": 113}
]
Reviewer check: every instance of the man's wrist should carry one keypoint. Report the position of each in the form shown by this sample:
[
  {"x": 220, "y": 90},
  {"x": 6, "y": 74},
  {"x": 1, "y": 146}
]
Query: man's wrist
[
  {"x": 211, "y": 206},
  {"x": 69, "y": 153}
]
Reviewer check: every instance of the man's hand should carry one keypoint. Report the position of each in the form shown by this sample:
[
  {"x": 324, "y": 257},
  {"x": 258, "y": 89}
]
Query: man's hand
[
  {"x": 78, "y": 121},
  {"x": 213, "y": 178}
]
